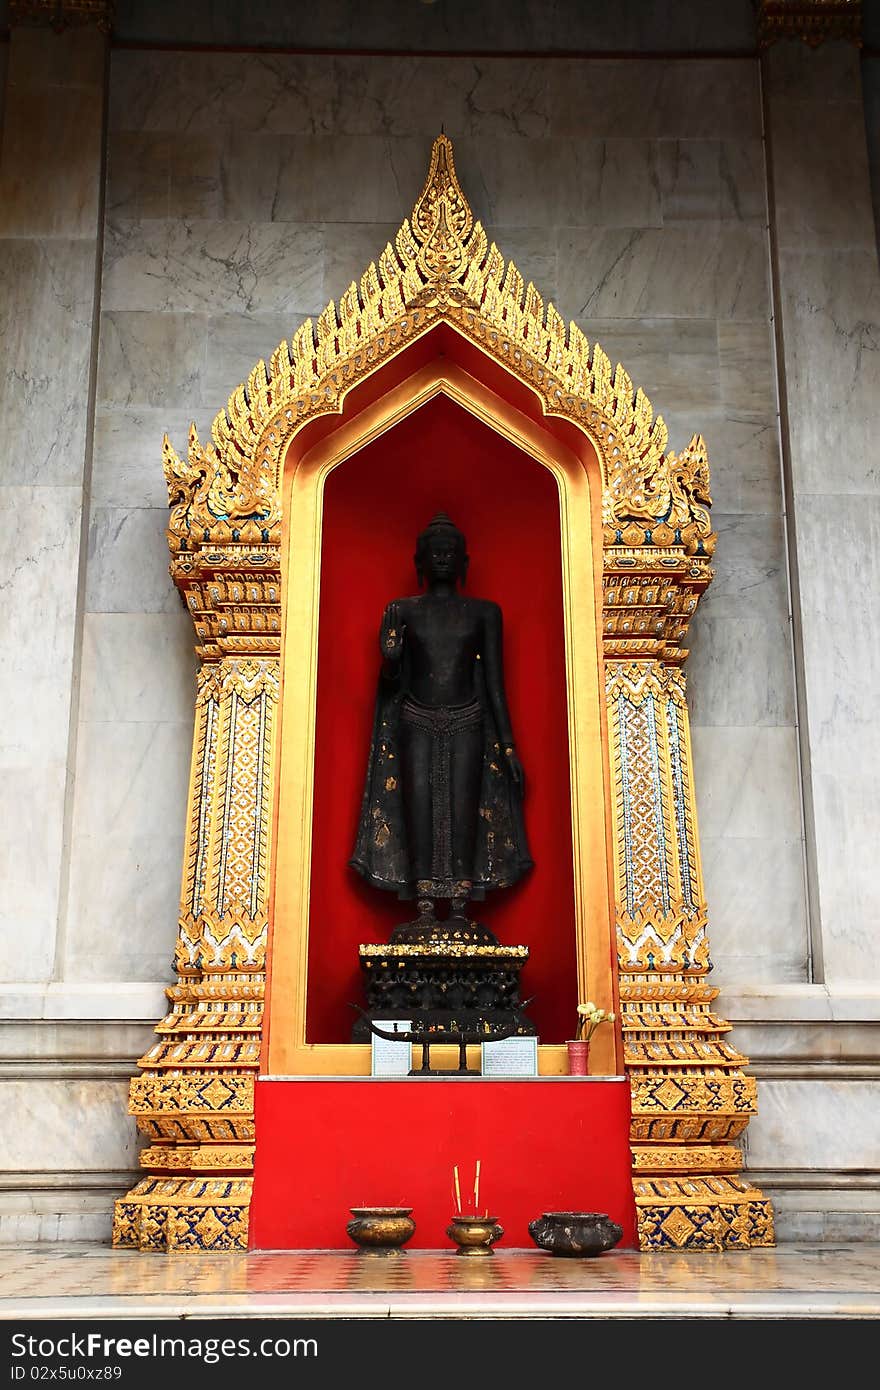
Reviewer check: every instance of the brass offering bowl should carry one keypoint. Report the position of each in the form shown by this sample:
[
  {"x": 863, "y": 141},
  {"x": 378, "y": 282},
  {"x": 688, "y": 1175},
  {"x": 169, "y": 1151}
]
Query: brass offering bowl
[
  {"x": 381, "y": 1230},
  {"x": 474, "y": 1235}
]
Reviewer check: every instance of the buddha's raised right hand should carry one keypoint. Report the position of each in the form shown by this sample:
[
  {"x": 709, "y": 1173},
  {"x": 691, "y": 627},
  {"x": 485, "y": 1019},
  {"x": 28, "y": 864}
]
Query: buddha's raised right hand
[{"x": 391, "y": 634}]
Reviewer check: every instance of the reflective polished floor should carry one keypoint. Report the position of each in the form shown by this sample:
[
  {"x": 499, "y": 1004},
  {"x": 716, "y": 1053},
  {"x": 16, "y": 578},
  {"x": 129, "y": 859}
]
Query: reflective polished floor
[{"x": 95, "y": 1281}]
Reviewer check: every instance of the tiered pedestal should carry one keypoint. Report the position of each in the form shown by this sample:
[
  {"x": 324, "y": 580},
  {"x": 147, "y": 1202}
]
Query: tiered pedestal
[{"x": 446, "y": 986}]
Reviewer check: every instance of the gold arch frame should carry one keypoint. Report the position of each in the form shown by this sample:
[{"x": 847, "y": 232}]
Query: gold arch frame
[{"x": 195, "y": 1097}]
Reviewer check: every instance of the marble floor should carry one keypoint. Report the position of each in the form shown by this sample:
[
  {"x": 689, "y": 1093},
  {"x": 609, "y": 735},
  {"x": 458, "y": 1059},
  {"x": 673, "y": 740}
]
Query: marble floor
[{"x": 94, "y": 1281}]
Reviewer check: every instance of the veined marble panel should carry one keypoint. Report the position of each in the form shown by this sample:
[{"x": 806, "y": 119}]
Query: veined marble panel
[
  {"x": 745, "y": 473},
  {"x": 831, "y": 324},
  {"x": 224, "y": 174},
  {"x": 751, "y": 883},
  {"x": 582, "y": 182},
  {"x": 61, "y": 138},
  {"x": 127, "y": 844},
  {"x": 661, "y": 98},
  {"x": 710, "y": 180},
  {"x": 139, "y": 173},
  {"x": 210, "y": 266},
  {"x": 127, "y": 451},
  {"x": 827, "y": 76},
  {"x": 402, "y": 96},
  {"x": 747, "y": 782},
  {"x": 839, "y": 569},
  {"x": 128, "y": 562},
  {"x": 138, "y": 668},
  {"x": 39, "y": 558},
  {"x": 80, "y": 1001},
  {"x": 740, "y": 670},
  {"x": 822, "y": 189},
  {"x": 750, "y": 569},
  {"x": 66, "y": 1125},
  {"x": 33, "y": 1046},
  {"x": 807, "y": 1047},
  {"x": 150, "y": 359},
  {"x": 72, "y": 57},
  {"x": 304, "y": 95},
  {"x": 840, "y": 604},
  {"x": 808, "y": 1003},
  {"x": 236, "y": 342},
  {"x": 349, "y": 178},
  {"x": 793, "y": 1129},
  {"x": 31, "y": 813},
  {"x": 823, "y": 1222},
  {"x": 705, "y": 270},
  {"x": 349, "y": 248},
  {"x": 748, "y": 369},
  {"x": 675, "y": 361},
  {"x": 47, "y": 292}
]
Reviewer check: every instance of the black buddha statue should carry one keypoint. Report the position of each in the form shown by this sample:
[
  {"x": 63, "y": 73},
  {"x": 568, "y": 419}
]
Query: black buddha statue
[{"x": 441, "y": 818}]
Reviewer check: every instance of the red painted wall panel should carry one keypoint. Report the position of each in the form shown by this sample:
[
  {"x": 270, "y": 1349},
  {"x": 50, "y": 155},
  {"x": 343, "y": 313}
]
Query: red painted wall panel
[
  {"x": 323, "y": 1146},
  {"x": 441, "y": 458}
]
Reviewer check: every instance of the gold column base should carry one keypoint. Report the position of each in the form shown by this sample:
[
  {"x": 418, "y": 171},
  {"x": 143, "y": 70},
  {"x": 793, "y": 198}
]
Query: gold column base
[
  {"x": 194, "y": 1102},
  {"x": 711, "y": 1213},
  {"x": 184, "y": 1214},
  {"x": 691, "y": 1102}
]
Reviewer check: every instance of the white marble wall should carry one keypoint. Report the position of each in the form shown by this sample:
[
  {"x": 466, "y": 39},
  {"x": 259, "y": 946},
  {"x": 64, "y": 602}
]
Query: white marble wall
[
  {"x": 829, "y": 305},
  {"x": 48, "y": 246}
]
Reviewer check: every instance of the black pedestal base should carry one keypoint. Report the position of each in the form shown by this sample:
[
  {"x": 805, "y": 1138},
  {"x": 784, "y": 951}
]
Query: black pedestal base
[{"x": 446, "y": 986}]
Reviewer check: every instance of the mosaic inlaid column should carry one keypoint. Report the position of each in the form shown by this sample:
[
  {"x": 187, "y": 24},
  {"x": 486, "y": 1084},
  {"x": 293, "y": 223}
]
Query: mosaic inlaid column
[
  {"x": 195, "y": 1100},
  {"x": 690, "y": 1097}
]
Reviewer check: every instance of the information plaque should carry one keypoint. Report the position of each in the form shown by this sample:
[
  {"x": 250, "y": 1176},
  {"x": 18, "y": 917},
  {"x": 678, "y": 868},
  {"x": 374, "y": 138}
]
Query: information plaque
[
  {"x": 510, "y": 1057},
  {"x": 391, "y": 1058}
]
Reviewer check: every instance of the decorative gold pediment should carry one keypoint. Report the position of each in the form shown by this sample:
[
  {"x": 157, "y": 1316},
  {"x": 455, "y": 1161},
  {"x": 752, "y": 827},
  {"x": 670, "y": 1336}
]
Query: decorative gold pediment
[{"x": 441, "y": 268}]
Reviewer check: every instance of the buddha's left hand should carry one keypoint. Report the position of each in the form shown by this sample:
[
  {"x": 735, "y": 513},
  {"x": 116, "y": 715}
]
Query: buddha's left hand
[{"x": 516, "y": 770}]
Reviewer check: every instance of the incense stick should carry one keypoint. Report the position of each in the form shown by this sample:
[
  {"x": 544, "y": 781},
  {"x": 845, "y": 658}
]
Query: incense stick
[
  {"x": 457, "y": 1190},
  {"x": 477, "y": 1187}
]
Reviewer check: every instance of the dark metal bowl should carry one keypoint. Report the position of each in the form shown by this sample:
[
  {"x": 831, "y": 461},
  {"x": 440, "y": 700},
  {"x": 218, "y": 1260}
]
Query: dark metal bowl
[{"x": 575, "y": 1232}]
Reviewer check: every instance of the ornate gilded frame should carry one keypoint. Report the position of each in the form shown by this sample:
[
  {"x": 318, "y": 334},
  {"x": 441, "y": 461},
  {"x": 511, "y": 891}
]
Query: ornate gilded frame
[{"x": 195, "y": 1098}]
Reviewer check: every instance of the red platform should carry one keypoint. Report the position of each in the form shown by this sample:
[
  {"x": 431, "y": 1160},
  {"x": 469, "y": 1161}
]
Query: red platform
[{"x": 545, "y": 1144}]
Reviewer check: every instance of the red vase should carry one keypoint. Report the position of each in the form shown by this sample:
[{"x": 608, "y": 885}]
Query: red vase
[{"x": 578, "y": 1057}]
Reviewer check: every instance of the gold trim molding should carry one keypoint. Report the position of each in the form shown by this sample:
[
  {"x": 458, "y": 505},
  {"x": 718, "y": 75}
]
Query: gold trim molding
[
  {"x": 814, "y": 22},
  {"x": 63, "y": 14},
  {"x": 651, "y": 508}
]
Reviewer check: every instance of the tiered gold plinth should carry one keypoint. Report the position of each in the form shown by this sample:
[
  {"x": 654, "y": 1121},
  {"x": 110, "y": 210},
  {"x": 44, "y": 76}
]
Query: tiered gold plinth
[
  {"x": 690, "y": 1100},
  {"x": 195, "y": 1102}
]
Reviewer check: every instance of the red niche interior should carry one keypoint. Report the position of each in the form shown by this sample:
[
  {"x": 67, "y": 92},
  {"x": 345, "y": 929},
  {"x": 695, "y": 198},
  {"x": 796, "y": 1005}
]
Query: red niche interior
[{"x": 440, "y": 458}]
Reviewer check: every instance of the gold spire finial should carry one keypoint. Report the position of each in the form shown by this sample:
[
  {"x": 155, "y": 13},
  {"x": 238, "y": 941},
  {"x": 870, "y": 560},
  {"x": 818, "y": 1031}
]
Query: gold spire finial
[{"x": 442, "y": 195}]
